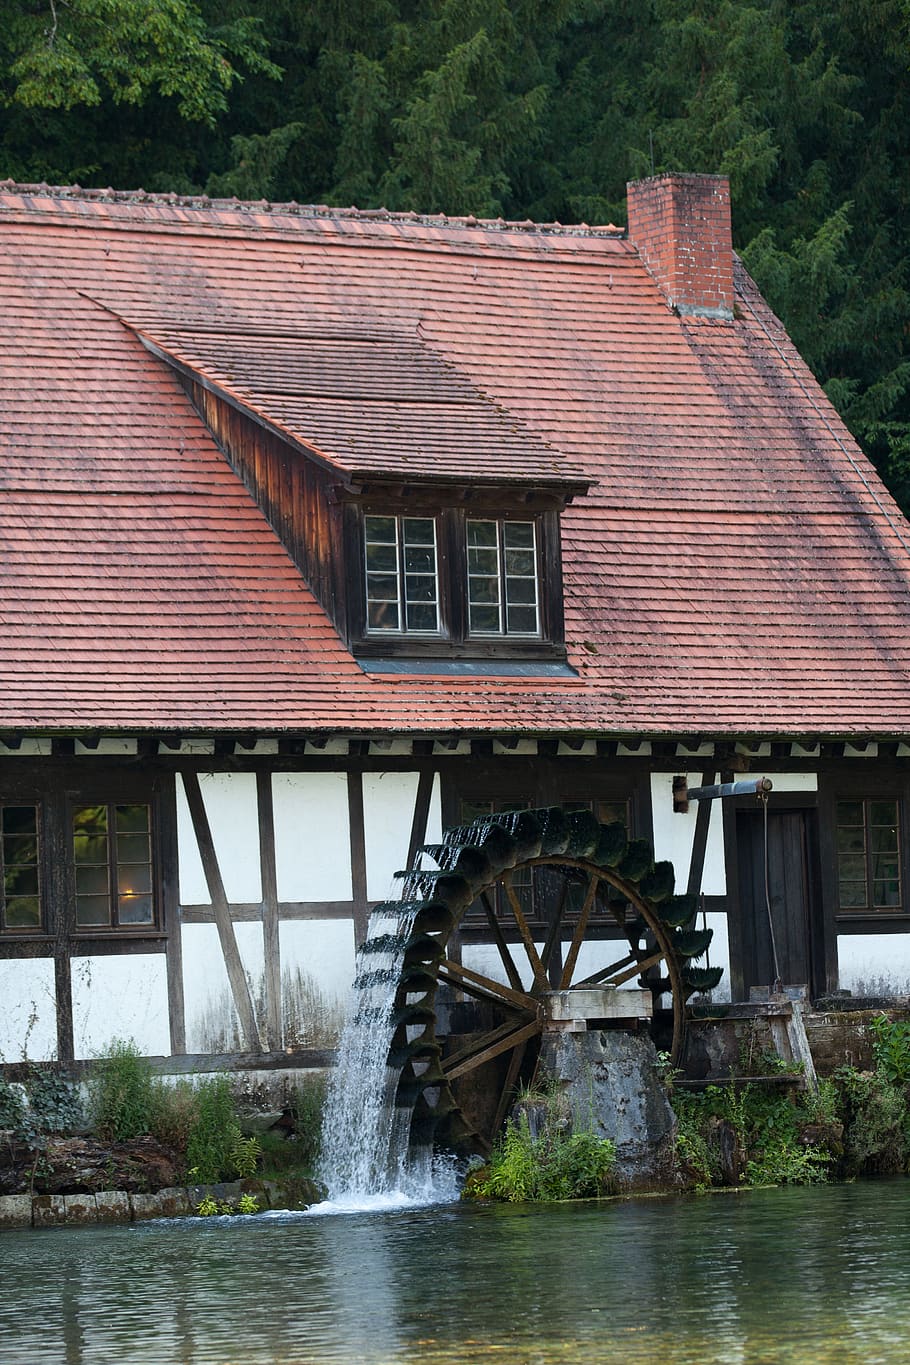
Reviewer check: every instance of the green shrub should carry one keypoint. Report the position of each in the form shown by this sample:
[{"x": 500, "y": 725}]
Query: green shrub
[
  {"x": 554, "y": 1165},
  {"x": 55, "y": 1102},
  {"x": 124, "y": 1093},
  {"x": 175, "y": 1113},
  {"x": 876, "y": 1123},
  {"x": 891, "y": 1048},
  {"x": 12, "y": 1105},
  {"x": 214, "y": 1133},
  {"x": 307, "y": 1104},
  {"x": 766, "y": 1127}
]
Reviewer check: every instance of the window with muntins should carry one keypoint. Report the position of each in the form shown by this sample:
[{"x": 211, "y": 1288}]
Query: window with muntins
[
  {"x": 869, "y": 855},
  {"x": 20, "y": 903},
  {"x": 402, "y": 589},
  {"x": 502, "y": 578},
  {"x": 112, "y": 857}
]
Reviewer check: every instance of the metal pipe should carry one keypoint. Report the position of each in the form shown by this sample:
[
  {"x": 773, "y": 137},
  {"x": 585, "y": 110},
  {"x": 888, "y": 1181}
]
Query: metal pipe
[{"x": 750, "y": 786}]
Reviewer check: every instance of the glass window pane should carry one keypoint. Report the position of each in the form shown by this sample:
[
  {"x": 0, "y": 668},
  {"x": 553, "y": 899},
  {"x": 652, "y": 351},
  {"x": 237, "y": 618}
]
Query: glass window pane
[
  {"x": 91, "y": 881},
  {"x": 419, "y": 531},
  {"x": 521, "y": 590},
  {"x": 131, "y": 819},
  {"x": 382, "y": 615},
  {"x": 420, "y": 559},
  {"x": 133, "y": 848},
  {"x": 484, "y": 589},
  {"x": 484, "y": 619},
  {"x": 882, "y": 812},
  {"x": 380, "y": 529},
  {"x": 851, "y": 895},
  {"x": 382, "y": 558},
  {"x": 382, "y": 587},
  {"x": 482, "y": 533},
  {"x": 883, "y": 839},
  {"x": 851, "y": 840},
  {"x": 134, "y": 880},
  {"x": 884, "y": 865},
  {"x": 422, "y": 617},
  {"x": 420, "y": 588},
  {"x": 23, "y": 912},
  {"x": 520, "y": 562},
  {"x": 522, "y": 620},
  {"x": 850, "y": 813},
  {"x": 851, "y": 867},
  {"x": 483, "y": 562},
  {"x": 20, "y": 848},
  {"x": 20, "y": 881},
  {"x": 93, "y": 911},
  {"x": 518, "y": 534},
  {"x": 887, "y": 894},
  {"x": 90, "y": 833},
  {"x": 19, "y": 820},
  {"x": 135, "y": 910}
]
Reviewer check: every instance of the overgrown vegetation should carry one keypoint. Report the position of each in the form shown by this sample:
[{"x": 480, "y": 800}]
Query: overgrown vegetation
[
  {"x": 549, "y": 1162},
  {"x": 857, "y": 1124}
]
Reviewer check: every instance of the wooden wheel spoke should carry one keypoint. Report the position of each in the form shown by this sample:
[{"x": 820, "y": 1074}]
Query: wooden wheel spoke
[
  {"x": 623, "y": 970},
  {"x": 540, "y": 976},
  {"x": 553, "y": 936},
  {"x": 515, "y": 1062},
  {"x": 506, "y": 957},
  {"x": 578, "y": 936},
  {"x": 490, "y": 1045},
  {"x": 485, "y": 987}
]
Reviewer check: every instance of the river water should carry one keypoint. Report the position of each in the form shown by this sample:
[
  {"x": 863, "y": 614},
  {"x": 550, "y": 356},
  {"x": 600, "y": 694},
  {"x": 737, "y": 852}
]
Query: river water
[{"x": 792, "y": 1275}]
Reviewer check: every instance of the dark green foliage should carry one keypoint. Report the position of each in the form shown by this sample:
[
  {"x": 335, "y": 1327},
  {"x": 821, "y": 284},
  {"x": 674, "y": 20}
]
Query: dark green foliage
[
  {"x": 12, "y": 1105},
  {"x": 556, "y": 1164},
  {"x": 891, "y": 1048},
  {"x": 54, "y": 1101},
  {"x": 766, "y": 1133},
  {"x": 523, "y": 109},
  {"x": 876, "y": 1123},
  {"x": 306, "y": 1107},
  {"x": 214, "y": 1133},
  {"x": 124, "y": 1093}
]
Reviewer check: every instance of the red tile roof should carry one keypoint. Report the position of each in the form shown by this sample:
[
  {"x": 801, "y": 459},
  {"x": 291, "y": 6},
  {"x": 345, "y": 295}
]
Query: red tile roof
[{"x": 736, "y": 568}]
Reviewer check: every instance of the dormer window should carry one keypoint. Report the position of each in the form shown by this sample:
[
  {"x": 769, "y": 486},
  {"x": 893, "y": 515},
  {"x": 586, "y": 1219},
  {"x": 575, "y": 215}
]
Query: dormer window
[
  {"x": 502, "y": 578},
  {"x": 448, "y": 583}
]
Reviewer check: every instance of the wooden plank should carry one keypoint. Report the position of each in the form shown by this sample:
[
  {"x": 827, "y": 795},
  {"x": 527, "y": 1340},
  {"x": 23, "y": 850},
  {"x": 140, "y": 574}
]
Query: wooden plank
[
  {"x": 517, "y": 999},
  {"x": 635, "y": 970},
  {"x": 358, "y": 856},
  {"x": 495, "y": 1050},
  {"x": 234, "y": 966},
  {"x": 604, "y": 973},
  {"x": 421, "y": 813},
  {"x": 502, "y": 946},
  {"x": 270, "y": 938},
  {"x": 578, "y": 937},
  {"x": 505, "y": 1097},
  {"x": 537, "y": 967},
  {"x": 551, "y": 957},
  {"x": 198, "y": 1063},
  {"x": 166, "y": 810},
  {"x": 700, "y": 839}
]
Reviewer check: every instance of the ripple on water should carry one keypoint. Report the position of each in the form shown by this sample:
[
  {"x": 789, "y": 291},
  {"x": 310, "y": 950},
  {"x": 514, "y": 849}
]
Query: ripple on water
[{"x": 785, "y": 1277}]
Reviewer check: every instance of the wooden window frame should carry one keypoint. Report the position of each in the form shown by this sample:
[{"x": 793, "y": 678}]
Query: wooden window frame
[
  {"x": 24, "y": 930},
  {"x": 114, "y": 926},
  {"x": 453, "y": 640},
  {"x": 872, "y": 912}
]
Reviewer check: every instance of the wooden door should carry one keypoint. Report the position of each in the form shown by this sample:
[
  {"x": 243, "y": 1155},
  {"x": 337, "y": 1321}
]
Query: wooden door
[{"x": 792, "y": 891}]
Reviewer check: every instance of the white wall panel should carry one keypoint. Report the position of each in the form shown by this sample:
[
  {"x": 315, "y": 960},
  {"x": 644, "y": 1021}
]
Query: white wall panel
[
  {"x": 674, "y": 835},
  {"x": 791, "y": 782},
  {"x": 312, "y": 836},
  {"x": 193, "y": 886},
  {"x": 28, "y": 1010},
  {"x": 388, "y": 813},
  {"x": 211, "y": 1020},
  {"x": 230, "y": 803},
  {"x": 122, "y": 996},
  {"x": 317, "y": 968},
  {"x": 874, "y": 964}
]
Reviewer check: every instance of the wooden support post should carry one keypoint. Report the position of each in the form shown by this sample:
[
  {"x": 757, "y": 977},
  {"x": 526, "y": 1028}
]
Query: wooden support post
[
  {"x": 236, "y": 976},
  {"x": 270, "y": 939}
]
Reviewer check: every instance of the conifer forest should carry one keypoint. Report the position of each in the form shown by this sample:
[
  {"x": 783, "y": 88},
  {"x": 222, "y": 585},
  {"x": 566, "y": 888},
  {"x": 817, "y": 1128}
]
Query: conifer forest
[{"x": 539, "y": 109}]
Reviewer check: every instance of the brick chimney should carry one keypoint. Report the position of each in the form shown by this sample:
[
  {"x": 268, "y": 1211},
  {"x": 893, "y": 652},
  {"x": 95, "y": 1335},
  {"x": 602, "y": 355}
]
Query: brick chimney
[{"x": 681, "y": 227}]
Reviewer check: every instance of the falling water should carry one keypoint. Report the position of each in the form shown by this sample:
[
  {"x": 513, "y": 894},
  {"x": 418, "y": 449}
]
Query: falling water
[{"x": 365, "y": 1158}]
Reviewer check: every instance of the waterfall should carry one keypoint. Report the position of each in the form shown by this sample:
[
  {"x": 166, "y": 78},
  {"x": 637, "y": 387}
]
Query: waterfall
[{"x": 365, "y": 1159}]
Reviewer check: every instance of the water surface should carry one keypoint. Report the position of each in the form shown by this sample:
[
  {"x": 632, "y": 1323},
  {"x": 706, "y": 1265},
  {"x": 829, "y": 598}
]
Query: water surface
[{"x": 776, "y": 1276}]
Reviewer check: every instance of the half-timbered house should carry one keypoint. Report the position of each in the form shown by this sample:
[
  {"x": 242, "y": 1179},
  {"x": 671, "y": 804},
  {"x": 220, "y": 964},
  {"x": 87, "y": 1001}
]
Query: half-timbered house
[{"x": 322, "y": 530}]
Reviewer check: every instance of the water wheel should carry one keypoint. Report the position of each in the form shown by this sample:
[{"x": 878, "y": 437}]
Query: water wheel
[{"x": 563, "y": 902}]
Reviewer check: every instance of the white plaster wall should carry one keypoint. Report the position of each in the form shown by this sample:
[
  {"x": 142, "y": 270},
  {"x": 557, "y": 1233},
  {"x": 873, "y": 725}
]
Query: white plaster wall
[
  {"x": 388, "y": 813},
  {"x": 674, "y": 834},
  {"x": 312, "y": 836},
  {"x": 230, "y": 804},
  {"x": 791, "y": 782},
  {"x": 122, "y": 996},
  {"x": 874, "y": 964},
  {"x": 211, "y": 1020},
  {"x": 317, "y": 969},
  {"x": 28, "y": 1010}
]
